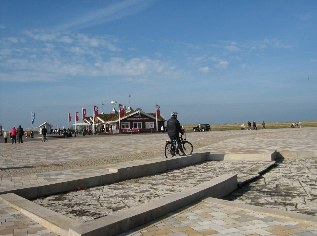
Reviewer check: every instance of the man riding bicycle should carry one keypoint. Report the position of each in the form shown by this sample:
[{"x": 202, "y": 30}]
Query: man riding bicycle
[{"x": 174, "y": 128}]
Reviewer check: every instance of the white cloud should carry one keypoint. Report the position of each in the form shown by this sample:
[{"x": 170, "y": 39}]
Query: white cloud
[
  {"x": 264, "y": 44},
  {"x": 73, "y": 39},
  {"x": 41, "y": 36},
  {"x": 118, "y": 10},
  {"x": 138, "y": 68},
  {"x": 204, "y": 69},
  {"x": 220, "y": 63},
  {"x": 232, "y": 47},
  {"x": 44, "y": 56}
]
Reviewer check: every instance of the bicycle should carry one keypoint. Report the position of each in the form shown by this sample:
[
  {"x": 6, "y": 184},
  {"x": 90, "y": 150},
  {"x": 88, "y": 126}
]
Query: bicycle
[{"x": 171, "y": 148}]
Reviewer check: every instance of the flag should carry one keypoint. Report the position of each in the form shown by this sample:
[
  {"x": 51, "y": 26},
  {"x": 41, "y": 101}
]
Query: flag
[
  {"x": 158, "y": 111},
  {"x": 32, "y": 117},
  {"x": 96, "y": 110},
  {"x": 77, "y": 116},
  {"x": 121, "y": 110},
  {"x": 69, "y": 117},
  {"x": 84, "y": 112}
]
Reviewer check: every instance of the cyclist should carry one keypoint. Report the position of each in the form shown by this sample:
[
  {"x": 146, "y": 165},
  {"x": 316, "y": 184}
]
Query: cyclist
[{"x": 174, "y": 128}]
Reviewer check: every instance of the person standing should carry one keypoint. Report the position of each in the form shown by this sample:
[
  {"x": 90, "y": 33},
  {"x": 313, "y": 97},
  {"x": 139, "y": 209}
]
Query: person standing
[
  {"x": 13, "y": 135},
  {"x": 44, "y": 132},
  {"x": 263, "y": 125},
  {"x": 249, "y": 125},
  {"x": 174, "y": 128},
  {"x": 5, "y": 136},
  {"x": 20, "y": 134}
]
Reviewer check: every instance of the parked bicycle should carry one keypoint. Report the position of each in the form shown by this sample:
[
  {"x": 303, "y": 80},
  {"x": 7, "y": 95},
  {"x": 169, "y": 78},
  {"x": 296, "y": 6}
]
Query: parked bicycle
[{"x": 171, "y": 148}]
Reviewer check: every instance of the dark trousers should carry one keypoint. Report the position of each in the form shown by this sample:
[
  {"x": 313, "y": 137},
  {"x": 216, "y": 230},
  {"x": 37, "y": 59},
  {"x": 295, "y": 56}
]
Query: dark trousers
[
  {"x": 178, "y": 141},
  {"x": 20, "y": 139}
]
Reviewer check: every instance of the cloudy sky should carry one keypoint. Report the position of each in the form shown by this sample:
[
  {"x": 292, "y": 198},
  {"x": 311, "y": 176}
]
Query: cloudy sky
[{"x": 211, "y": 61}]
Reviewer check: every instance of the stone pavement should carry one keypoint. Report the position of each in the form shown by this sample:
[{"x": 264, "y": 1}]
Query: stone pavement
[
  {"x": 37, "y": 163},
  {"x": 218, "y": 217},
  {"x": 13, "y": 222},
  {"x": 100, "y": 201}
]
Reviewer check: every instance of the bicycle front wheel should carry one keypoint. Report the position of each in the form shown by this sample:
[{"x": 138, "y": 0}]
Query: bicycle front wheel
[
  {"x": 168, "y": 150},
  {"x": 188, "y": 147}
]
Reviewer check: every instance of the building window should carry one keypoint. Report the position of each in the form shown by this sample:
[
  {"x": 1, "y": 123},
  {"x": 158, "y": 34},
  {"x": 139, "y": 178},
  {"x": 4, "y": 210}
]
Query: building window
[
  {"x": 137, "y": 125},
  {"x": 149, "y": 125},
  {"x": 125, "y": 125}
]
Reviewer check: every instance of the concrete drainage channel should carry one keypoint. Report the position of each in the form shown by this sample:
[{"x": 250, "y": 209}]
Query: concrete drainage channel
[{"x": 124, "y": 220}]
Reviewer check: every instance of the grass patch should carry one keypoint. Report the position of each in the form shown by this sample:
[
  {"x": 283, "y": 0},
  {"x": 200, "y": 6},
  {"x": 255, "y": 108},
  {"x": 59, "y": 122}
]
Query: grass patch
[{"x": 236, "y": 126}]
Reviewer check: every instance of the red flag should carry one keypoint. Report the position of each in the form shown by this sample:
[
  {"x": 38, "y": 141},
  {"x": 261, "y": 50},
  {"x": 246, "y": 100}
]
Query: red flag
[
  {"x": 96, "y": 110},
  {"x": 158, "y": 111},
  {"x": 84, "y": 113},
  {"x": 69, "y": 117},
  {"x": 121, "y": 110},
  {"x": 77, "y": 116}
]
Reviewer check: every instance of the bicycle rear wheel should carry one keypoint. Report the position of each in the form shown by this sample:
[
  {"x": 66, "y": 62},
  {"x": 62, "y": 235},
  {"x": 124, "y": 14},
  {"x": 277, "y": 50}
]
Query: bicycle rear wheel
[
  {"x": 187, "y": 147},
  {"x": 168, "y": 150}
]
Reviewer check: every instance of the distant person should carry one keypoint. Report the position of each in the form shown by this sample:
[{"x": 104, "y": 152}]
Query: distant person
[
  {"x": 249, "y": 125},
  {"x": 5, "y": 136},
  {"x": 44, "y": 133},
  {"x": 162, "y": 128},
  {"x": 263, "y": 125},
  {"x": 65, "y": 133},
  {"x": 242, "y": 126},
  {"x": 13, "y": 135},
  {"x": 174, "y": 128},
  {"x": 254, "y": 125},
  {"x": 20, "y": 134}
]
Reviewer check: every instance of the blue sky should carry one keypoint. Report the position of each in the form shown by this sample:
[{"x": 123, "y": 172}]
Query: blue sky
[{"x": 211, "y": 61}]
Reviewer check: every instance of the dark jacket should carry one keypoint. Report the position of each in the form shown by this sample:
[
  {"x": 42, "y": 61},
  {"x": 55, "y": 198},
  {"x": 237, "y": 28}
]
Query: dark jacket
[
  {"x": 173, "y": 127},
  {"x": 44, "y": 131},
  {"x": 20, "y": 131}
]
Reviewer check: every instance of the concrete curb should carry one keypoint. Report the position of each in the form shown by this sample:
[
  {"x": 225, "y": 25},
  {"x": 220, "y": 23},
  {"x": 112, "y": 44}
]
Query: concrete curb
[
  {"x": 125, "y": 220},
  {"x": 241, "y": 157},
  {"x": 254, "y": 177},
  {"x": 281, "y": 155},
  {"x": 51, "y": 220},
  {"x": 113, "y": 174},
  {"x": 279, "y": 213}
]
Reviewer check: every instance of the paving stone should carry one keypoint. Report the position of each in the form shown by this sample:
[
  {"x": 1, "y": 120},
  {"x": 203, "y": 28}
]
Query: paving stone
[{"x": 81, "y": 156}]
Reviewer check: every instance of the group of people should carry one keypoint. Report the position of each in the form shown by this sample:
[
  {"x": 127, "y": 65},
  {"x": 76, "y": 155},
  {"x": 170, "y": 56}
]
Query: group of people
[
  {"x": 296, "y": 125},
  {"x": 252, "y": 126},
  {"x": 15, "y": 133}
]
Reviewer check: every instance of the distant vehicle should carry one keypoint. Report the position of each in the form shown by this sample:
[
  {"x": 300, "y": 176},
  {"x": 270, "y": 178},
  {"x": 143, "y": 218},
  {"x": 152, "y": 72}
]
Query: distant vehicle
[{"x": 201, "y": 128}]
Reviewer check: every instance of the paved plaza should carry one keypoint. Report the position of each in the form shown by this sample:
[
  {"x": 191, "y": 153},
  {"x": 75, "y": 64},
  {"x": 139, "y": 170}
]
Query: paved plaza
[{"x": 36, "y": 163}]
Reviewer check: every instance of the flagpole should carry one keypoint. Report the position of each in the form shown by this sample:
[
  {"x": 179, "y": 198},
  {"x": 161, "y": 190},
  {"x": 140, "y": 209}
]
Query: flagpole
[
  {"x": 69, "y": 120},
  {"x": 156, "y": 121},
  {"x": 75, "y": 123},
  {"x": 93, "y": 122},
  {"x": 119, "y": 119},
  {"x": 156, "y": 116}
]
